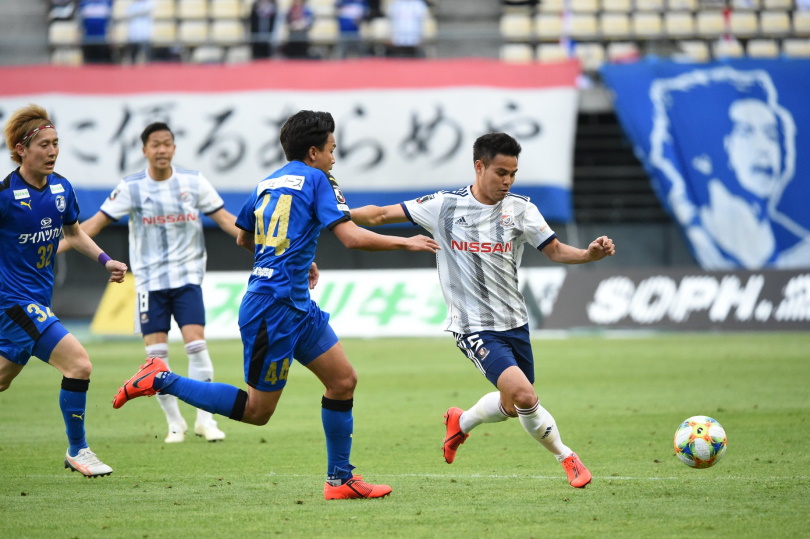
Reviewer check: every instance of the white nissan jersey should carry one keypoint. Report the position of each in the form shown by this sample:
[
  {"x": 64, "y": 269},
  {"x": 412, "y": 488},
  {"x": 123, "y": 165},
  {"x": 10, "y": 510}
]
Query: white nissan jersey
[
  {"x": 166, "y": 243},
  {"x": 481, "y": 248}
]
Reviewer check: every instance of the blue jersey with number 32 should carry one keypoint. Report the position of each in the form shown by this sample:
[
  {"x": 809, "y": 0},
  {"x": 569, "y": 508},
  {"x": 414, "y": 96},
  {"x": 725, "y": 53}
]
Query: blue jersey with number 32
[
  {"x": 31, "y": 221},
  {"x": 286, "y": 213}
]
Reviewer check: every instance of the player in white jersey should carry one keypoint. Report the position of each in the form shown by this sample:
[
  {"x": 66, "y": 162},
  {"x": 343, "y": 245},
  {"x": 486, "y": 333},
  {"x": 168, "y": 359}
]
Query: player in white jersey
[
  {"x": 167, "y": 254},
  {"x": 482, "y": 230}
]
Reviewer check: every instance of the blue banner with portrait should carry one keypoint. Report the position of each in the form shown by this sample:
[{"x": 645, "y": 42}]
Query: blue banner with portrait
[{"x": 722, "y": 145}]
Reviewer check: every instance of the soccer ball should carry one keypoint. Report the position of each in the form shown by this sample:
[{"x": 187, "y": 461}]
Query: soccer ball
[{"x": 700, "y": 442}]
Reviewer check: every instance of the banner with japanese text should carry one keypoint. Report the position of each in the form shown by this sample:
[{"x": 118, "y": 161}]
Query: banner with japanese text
[
  {"x": 722, "y": 144},
  {"x": 404, "y": 128}
]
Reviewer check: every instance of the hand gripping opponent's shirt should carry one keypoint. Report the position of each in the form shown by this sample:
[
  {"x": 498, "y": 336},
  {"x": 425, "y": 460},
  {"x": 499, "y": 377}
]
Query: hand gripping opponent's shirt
[{"x": 481, "y": 249}]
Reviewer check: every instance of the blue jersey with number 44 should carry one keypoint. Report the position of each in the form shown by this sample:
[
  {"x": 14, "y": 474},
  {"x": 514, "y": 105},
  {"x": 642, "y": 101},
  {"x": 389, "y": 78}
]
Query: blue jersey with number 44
[
  {"x": 286, "y": 213},
  {"x": 31, "y": 221}
]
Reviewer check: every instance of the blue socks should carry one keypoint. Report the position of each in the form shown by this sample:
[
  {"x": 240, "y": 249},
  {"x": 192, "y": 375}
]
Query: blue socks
[
  {"x": 212, "y": 397},
  {"x": 338, "y": 425},
  {"x": 73, "y": 403}
]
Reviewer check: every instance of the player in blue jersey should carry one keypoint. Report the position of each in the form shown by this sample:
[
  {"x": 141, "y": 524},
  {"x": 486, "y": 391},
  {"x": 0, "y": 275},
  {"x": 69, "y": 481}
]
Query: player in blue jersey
[
  {"x": 36, "y": 207},
  {"x": 280, "y": 223}
]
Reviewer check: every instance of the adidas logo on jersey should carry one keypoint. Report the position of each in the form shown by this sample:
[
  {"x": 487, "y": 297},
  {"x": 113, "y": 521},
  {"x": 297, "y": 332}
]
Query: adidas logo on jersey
[{"x": 461, "y": 221}]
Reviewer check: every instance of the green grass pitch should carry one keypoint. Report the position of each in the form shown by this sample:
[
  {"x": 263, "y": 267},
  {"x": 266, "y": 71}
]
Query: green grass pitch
[{"x": 617, "y": 402}]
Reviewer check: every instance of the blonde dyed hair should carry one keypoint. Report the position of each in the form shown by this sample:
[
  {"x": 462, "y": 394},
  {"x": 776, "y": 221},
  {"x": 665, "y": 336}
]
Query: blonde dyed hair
[{"x": 21, "y": 122}]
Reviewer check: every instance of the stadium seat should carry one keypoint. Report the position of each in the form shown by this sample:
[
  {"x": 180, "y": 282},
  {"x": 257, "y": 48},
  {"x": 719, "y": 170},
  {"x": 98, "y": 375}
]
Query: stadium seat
[
  {"x": 683, "y": 5},
  {"x": 622, "y": 51},
  {"x": 228, "y": 31},
  {"x": 762, "y": 48},
  {"x": 583, "y": 26},
  {"x": 727, "y": 48},
  {"x": 620, "y": 6},
  {"x": 226, "y": 9},
  {"x": 193, "y": 32},
  {"x": 430, "y": 29},
  {"x": 516, "y": 53},
  {"x": 614, "y": 25},
  {"x": 64, "y": 33},
  {"x": 647, "y": 25},
  {"x": 796, "y": 48},
  {"x": 710, "y": 24},
  {"x": 801, "y": 24},
  {"x": 119, "y": 11},
  {"x": 774, "y": 23},
  {"x": 516, "y": 27},
  {"x": 192, "y": 9},
  {"x": 696, "y": 51},
  {"x": 551, "y": 52},
  {"x": 164, "y": 9},
  {"x": 752, "y": 5},
  {"x": 778, "y": 5},
  {"x": 551, "y": 6},
  {"x": 164, "y": 33},
  {"x": 322, "y": 8},
  {"x": 649, "y": 5},
  {"x": 379, "y": 30},
  {"x": 207, "y": 54},
  {"x": 67, "y": 56},
  {"x": 238, "y": 55},
  {"x": 118, "y": 33},
  {"x": 548, "y": 27},
  {"x": 679, "y": 24},
  {"x": 591, "y": 55},
  {"x": 584, "y": 6},
  {"x": 743, "y": 23},
  {"x": 324, "y": 31}
]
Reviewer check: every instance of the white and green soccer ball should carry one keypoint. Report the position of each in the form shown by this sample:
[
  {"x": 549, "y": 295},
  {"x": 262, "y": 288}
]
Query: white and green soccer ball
[{"x": 700, "y": 442}]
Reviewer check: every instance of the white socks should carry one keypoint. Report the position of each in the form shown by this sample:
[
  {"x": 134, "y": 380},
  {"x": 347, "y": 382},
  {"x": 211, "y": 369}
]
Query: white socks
[
  {"x": 200, "y": 368},
  {"x": 167, "y": 402},
  {"x": 488, "y": 409},
  {"x": 540, "y": 425}
]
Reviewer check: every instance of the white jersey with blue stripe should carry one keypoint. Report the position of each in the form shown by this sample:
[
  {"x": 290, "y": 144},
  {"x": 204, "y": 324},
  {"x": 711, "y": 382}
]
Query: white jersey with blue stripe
[
  {"x": 481, "y": 249},
  {"x": 166, "y": 242}
]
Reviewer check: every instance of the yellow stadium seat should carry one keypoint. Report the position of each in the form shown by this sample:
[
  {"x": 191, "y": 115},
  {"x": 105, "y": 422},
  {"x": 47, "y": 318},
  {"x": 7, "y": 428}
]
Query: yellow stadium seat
[
  {"x": 120, "y": 9},
  {"x": 64, "y": 33},
  {"x": 796, "y": 48},
  {"x": 649, "y": 5},
  {"x": 647, "y": 25},
  {"x": 683, "y": 5},
  {"x": 584, "y": 6},
  {"x": 164, "y": 33},
  {"x": 727, "y": 48},
  {"x": 516, "y": 26},
  {"x": 697, "y": 51},
  {"x": 614, "y": 25},
  {"x": 762, "y": 48},
  {"x": 591, "y": 55},
  {"x": 679, "y": 24},
  {"x": 778, "y": 5},
  {"x": 207, "y": 54},
  {"x": 324, "y": 31},
  {"x": 583, "y": 26},
  {"x": 552, "y": 6},
  {"x": 164, "y": 9},
  {"x": 621, "y": 6},
  {"x": 193, "y": 32},
  {"x": 551, "y": 52},
  {"x": 516, "y": 53},
  {"x": 801, "y": 23},
  {"x": 710, "y": 24},
  {"x": 548, "y": 26},
  {"x": 774, "y": 23},
  {"x": 744, "y": 23},
  {"x": 622, "y": 51},
  {"x": 192, "y": 9},
  {"x": 226, "y": 9},
  {"x": 738, "y": 5},
  {"x": 228, "y": 31},
  {"x": 67, "y": 56}
]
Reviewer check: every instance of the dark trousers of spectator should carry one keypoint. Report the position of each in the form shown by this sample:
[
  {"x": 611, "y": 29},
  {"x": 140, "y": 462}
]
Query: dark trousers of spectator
[
  {"x": 97, "y": 53},
  {"x": 398, "y": 51}
]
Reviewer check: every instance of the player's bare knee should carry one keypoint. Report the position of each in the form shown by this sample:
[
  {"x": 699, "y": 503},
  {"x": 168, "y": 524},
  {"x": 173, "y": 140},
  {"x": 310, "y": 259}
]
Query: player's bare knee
[
  {"x": 4, "y": 384},
  {"x": 525, "y": 399}
]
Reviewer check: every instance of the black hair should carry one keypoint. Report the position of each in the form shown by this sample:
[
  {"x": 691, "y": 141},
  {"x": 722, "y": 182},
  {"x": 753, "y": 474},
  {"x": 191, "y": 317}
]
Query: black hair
[
  {"x": 154, "y": 127},
  {"x": 303, "y": 130},
  {"x": 486, "y": 147}
]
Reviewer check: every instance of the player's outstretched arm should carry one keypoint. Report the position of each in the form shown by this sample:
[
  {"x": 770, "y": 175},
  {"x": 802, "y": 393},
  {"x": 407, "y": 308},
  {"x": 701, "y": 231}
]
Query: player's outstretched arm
[
  {"x": 354, "y": 237},
  {"x": 83, "y": 243},
  {"x": 563, "y": 253},
  {"x": 379, "y": 215},
  {"x": 226, "y": 221},
  {"x": 91, "y": 227},
  {"x": 244, "y": 239}
]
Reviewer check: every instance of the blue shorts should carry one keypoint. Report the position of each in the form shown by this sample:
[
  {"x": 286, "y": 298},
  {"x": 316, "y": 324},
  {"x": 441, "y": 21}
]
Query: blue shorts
[
  {"x": 29, "y": 330},
  {"x": 495, "y": 351},
  {"x": 155, "y": 308},
  {"x": 274, "y": 333}
]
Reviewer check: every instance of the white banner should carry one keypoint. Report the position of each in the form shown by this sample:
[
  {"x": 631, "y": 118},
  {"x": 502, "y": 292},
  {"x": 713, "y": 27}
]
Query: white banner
[{"x": 399, "y": 133}]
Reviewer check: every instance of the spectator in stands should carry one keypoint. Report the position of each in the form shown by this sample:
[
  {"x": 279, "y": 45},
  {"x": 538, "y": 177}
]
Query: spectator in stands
[
  {"x": 61, "y": 10},
  {"x": 407, "y": 18},
  {"x": 350, "y": 15},
  {"x": 139, "y": 30},
  {"x": 262, "y": 24},
  {"x": 95, "y": 17},
  {"x": 299, "y": 22}
]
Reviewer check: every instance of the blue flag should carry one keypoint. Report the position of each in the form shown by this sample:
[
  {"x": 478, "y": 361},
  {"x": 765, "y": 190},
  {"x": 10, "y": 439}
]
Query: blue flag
[{"x": 726, "y": 147}]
